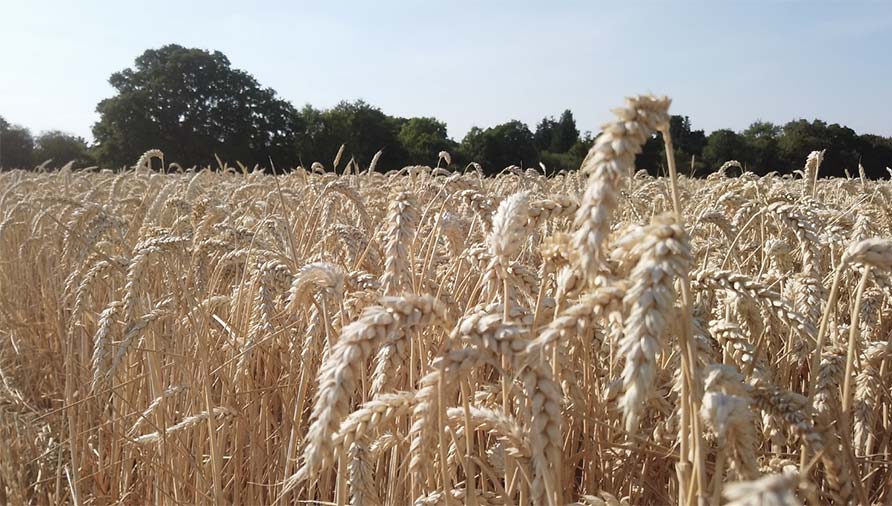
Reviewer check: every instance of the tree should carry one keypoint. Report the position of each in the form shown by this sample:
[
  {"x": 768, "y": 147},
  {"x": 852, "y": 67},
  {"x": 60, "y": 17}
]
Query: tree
[
  {"x": 192, "y": 104},
  {"x": 61, "y": 148},
  {"x": 424, "y": 138},
  {"x": 688, "y": 142},
  {"x": 721, "y": 146},
  {"x": 362, "y": 129},
  {"x": 495, "y": 148},
  {"x": 876, "y": 153},
  {"x": 801, "y": 137},
  {"x": 556, "y": 136},
  {"x": 652, "y": 157},
  {"x": 545, "y": 134},
  {"x": 566, "y": 134},
  {"x": 16, "y": 146},
  {"x": 761, "y": 147},
  {"x": 472, "y": 147}
]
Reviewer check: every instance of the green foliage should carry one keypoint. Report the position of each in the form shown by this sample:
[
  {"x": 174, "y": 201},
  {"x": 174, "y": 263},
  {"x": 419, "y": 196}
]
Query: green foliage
[
  {"x": 545, "y": 134},
  {"x": 652, "y": 157},
  {"x": 800, "y": 137},
  {"x": 569, "y": 160},
  {"x": 764, "y": 147},
  {"x": 877, "y": 155},
  {"x": 16, "y": 146},
  {"x": 192, "y": 104},
  {"x": 495, "y": 148},
  {"x": 424, "y": 138},
  {"x": 688, "y": 144},
  {"x": 360, "y": 127},
  {"x": 61, "y": 148},
  {"x": 557, "y": 137},
  {"x": 721, "y": 146},
  {"x": 560, "y": 161},
  {"x": 567, "y": 134},
  {"x": 761, "y": 148}
]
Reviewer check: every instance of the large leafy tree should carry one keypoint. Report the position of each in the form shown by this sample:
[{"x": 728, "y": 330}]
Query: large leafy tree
[
  {"x": 800, "y": 137},
  {"x": 424, "y": 138},
  {"x": 762, "y": 154},
  {"x": 192, "y": 104},
  {"x": 61, "y": 148},
  {"x": 545, "y": 133},
  {"x": 556, "y": 136},
  {"x": 16, "y": 146},
  {"x": 510, "y": 143},
  {"x": 689, "y": 143},
  {"x": 876, "y": 154},
  {"x": 566, "y": 134},
  {"x": 362, "y": 129},
  {"x": 721, "y": 146},
  {"x": 652, "y": 157}
]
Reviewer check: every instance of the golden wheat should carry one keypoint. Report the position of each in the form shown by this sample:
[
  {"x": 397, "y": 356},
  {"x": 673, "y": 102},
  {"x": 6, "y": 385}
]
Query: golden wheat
[{"x": 434, "y": 336}]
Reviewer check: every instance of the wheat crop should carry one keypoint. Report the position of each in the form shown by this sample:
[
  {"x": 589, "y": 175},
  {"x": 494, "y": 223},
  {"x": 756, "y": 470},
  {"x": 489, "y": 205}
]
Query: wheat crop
[{"x": 435, "y": 336}]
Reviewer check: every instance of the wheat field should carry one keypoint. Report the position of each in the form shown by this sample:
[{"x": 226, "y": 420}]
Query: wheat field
[{"x": 431, "y": 336}]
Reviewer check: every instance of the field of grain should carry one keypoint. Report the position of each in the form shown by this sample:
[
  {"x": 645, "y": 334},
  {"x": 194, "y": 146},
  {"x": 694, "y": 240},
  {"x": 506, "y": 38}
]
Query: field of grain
[{"x": 432, "y": 336}]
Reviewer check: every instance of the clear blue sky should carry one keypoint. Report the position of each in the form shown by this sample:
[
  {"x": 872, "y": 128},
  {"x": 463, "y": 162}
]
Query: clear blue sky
[{"x": 725, "y": 64}]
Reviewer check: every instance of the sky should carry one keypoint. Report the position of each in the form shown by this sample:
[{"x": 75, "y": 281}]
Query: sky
[{"x": 725, "y": 64}]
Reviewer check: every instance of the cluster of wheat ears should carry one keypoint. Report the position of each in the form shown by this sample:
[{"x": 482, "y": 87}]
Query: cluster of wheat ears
[{"x": 428, "y": 336}]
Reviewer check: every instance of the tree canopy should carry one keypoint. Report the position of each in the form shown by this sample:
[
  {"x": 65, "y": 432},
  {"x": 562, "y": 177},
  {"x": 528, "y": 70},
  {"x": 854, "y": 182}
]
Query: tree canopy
[
  {"x": 360, "y": 127},
  {"x": 557, "y": 136},
  {"x": 16, "y": 145},
  {"x": 61, "y": 148},
  {"x": 510, "y": 143},
  {"x": 423, "y": 137},
  {"x": 192, "y": 104}
]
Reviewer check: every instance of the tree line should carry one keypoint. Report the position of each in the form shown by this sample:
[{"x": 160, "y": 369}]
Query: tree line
[{"x": 194, "y": 106}]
